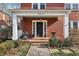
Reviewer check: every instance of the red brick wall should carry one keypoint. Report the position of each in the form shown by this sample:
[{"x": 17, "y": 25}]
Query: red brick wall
[
  {"x": 58, "y": 6},
  {"x": 27, "y": 25},
  {"x": 54, "y": 25},
  {"x": 54, "y": 6},
  {"x": 26, "y": 5},
  {"x": 74, "y": 15}
]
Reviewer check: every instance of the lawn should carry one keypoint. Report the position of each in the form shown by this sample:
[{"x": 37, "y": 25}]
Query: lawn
[
  {"x": 14, "y": 48},
  {"x": 64, "y": 52}
]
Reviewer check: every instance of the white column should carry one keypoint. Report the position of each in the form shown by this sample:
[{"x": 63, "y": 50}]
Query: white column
[
  {"x": 14, "y": 32},
  {"x": 71, "y": 24},
  {"x": 66, "y": 26}
]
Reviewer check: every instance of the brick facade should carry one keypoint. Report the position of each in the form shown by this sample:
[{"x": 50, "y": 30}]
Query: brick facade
[
  {"x": 52, "y": 6},
  {"x": 55, "y": 6},
  {"x": 26, "y": 6},
  {"x": 74, "y": 16},
  {"x": 54, "y": 24}
]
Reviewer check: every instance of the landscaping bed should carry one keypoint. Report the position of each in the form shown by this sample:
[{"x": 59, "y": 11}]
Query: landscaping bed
[
  {"x": 64, "y": 52},
  {"x": 14, "y": 48},
  {"x": 62, "y": 48}
]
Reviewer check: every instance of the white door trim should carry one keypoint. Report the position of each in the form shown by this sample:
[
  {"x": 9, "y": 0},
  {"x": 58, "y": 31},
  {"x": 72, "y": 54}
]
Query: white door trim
[{"x": 36, "y": 26}]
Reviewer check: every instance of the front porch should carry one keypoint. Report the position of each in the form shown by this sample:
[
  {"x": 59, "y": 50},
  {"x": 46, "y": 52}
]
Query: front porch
[{"x": 60, "y": 27}]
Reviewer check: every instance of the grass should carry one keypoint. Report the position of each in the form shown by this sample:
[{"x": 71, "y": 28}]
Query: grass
[{"x": 13, "y": 48}]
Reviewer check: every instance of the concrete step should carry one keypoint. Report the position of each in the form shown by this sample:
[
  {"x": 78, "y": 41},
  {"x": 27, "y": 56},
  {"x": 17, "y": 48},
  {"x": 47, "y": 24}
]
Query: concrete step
[
  {"x": 34, "y": 44},
  {"x": 38, "y": 41}
]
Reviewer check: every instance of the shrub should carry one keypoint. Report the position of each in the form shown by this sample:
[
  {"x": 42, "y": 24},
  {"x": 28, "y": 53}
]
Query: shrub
[
  {"x": 54, "y": 42},
  {"x": 9, "y": 44},
  {"x": 67, "y": 42}
]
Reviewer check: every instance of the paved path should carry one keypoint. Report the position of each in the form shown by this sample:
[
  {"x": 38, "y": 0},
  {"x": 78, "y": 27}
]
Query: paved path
[{"x": 39, "y": 50}]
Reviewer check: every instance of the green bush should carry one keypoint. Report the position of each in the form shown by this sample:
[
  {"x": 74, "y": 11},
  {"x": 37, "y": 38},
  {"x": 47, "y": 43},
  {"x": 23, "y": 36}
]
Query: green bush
[
  {"x": 67, "y": 42},
  {"x": 9, "y": 44},
  {"x": 54, "y": 42}
]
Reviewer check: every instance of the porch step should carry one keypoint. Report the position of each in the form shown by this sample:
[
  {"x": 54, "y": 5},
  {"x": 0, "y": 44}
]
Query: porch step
[
  {"x": 38, "y": 41},
  {"x": 37, "y": 44}
]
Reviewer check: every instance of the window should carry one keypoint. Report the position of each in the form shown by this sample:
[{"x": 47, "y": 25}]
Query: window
[
  {"x": 42, "y": 5},
  {"x": 35, "y": 5},
  {"x": 67, "y": 6},
  {"x": 75, "y": 25},
  {"x": 75, "y": 6},
  {"x": 38, "y": 6}
]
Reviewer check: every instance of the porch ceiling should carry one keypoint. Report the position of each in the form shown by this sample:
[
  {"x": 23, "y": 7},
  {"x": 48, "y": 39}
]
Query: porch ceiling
[{"x": 40, "y": 13}]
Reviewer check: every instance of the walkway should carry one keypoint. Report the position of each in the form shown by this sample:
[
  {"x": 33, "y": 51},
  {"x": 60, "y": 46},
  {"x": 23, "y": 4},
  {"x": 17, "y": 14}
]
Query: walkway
[{"x": 39, "y": 50}]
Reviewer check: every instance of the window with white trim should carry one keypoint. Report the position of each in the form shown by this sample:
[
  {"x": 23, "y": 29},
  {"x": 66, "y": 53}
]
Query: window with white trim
[
  {"x": 67, "y": 6},
  {"x": 35, "y": 5},
  {"x": 75, "y": 25},
  {"x": 38, "y": 6},
  {"x": 42, "y": 5},
  {"x": 75, "y": 6}
]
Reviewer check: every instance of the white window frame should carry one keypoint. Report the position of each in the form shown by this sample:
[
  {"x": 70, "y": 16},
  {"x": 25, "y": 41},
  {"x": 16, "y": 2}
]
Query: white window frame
[
  {"x": 71, "y": 24},
  {"x": 38, "y": 6},
  {"x": 66, "y": 5},
  {"x": 71, "y": 6}
]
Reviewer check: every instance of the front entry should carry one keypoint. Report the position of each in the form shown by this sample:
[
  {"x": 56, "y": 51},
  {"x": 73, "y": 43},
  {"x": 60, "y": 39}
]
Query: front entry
[{"x": 39, "y": 28}]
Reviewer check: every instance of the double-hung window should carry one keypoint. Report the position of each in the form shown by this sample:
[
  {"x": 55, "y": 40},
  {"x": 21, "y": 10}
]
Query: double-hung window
[
  {"x": 38, "y": 6},
  {"x": 75, "y": 6},
  {"x": 75, "y": 25},
  {"x": 67, "y": 6},
  {"x": 42, "y": 5},
  {"x": 35, "y": 5}
]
